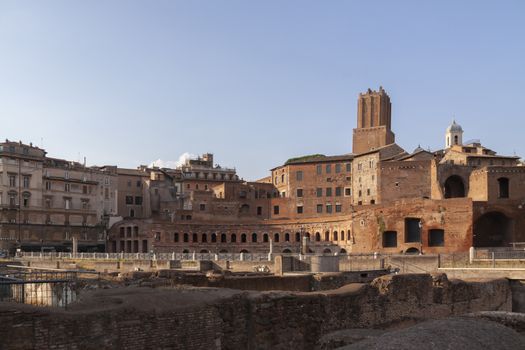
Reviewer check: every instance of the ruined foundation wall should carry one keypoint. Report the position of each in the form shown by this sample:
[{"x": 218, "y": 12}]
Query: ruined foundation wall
[{"x": 249, "y": 320}]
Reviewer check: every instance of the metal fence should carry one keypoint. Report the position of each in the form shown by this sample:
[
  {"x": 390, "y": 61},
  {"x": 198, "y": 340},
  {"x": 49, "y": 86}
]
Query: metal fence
[{"x": 43, "y": 288}]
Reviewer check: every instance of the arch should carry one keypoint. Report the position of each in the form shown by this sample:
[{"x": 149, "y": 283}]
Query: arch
[
  {"x": 412, "y": 250},
  {"x": 503, "y": 187},
  {"x": 214, "y": 238},
  {"x": 233, "y": 238},
  {"x": 243, "y": 238},
  {"x": 317, "y": 237},
  {"x": 195, "y": 238},
  {"x": 327, "y": 236},
  {"x": 307, "y": 235},
  {"x": 265, "y": 238},
  {"x": 254, "y": 237},
  {"x": 298, "y": 236},
  {"x": 276, "y": 238},
  {"x": 204, "y": 238},
  {"x": 335, "y": 236},
  {"x": 342, "y": 251},
  {"x": 454, "y": 187},
  {"x": 287, "y": 237},
  {"x": 493, "y": 229},
  {"x": 223, "y": 237},
  {"x": 186, "y": 238},
  {"x": 456, "y": 140},
  {"x": 348, "y": 235},
  {"x": 287, "y": 251},
  {"x": 244, "y": 251},
  {"x": 327, "y": 251},
  {"x": 245, "y": 208}
]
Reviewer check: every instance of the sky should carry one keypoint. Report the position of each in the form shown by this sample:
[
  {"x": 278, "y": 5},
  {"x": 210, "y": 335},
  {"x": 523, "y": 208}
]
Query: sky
[{"x": 255, "y": 82}]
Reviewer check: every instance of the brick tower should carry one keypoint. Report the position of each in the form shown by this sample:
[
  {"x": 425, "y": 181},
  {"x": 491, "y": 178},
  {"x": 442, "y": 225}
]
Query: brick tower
[{"x": 373, "y": 121}]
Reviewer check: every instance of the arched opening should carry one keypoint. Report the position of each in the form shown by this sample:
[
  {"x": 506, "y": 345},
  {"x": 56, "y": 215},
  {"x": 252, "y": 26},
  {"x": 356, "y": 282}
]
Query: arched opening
[
  {"x": 287, "y": 237},
  {"x": 245, "y": 208},
  {"x": 317, "y": 237},
  {"x": 307, "y": 235},
  {"x": 265, "y": 238},
  {"x": 254, "y": 237},
  {"x": 204, "y": 237},
  {"x": 213, "y": 238},
  {"x": 233, "y": 238},
  {"x": 412, "y": 251},
  {"x": 244, "y": 251},
  {"x": 194, "y": 238},
  {"x": 223, "y": 238},
  {"x": 204, "y": 251},
  {"x": 348, "y": 236},
  {"x": 454, "y": 187},
  {"x": 342, "y": 251},
  {"x": 327, "y": 251},
  {"x": 287, "y": 251},
  {"x": 186, "y": 238},
  {"x": 456, "y": 139},
  {"x": 327, "y": 236},
  {"x": 335, "y": 236},
  {"x": 503, "y": 185},
  {"x": 243, "y": 238},
  {"x": 492, "y": 229},
  {"x": 276, "y": 237},
  {"x": 298, "y": 237}
]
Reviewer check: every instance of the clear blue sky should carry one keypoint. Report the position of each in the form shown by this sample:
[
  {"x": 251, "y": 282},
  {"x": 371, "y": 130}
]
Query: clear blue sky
[{"x": 255, "y": 82}]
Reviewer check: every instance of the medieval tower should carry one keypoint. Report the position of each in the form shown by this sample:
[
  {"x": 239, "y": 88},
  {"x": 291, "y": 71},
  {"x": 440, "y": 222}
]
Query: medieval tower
[{"x": 373, "y": 122}]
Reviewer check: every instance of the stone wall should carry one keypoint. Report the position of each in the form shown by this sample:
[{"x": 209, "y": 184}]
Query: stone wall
[{"x": 140, "y": 318}]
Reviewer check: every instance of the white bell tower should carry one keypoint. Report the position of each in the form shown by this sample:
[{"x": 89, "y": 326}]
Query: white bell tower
[{"x": 454, "y": 135}]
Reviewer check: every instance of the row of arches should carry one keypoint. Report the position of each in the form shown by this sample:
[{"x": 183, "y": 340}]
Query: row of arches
[
  {"x": 455, "y": 187},
  {"x": 256, "y": 237}
]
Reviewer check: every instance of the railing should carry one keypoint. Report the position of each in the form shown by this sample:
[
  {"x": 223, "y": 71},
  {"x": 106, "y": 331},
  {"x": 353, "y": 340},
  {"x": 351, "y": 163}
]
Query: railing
[{"x": 42, "y": 288}]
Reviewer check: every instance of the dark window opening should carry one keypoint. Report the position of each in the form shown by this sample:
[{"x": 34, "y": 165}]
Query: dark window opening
[
  {"x": 503, "y": 184},
  {"x": 254, "y": 237},
  {"x": 389, "y": 239},
  {"x": 234, "y": 238},
  {"x": 276, "y": 238},
  {"x": 436, "y": 238},
  {"x": 412, "y": 230}
]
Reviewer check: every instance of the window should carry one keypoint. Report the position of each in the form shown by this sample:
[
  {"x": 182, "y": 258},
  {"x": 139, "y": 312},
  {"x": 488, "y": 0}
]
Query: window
[
  {"x": 265, "y": 238},
  {"x": 299, "y": 175},
  {"x": 243, "y": 238},
  {"x": 319, "y": 169},
  {"x": 338, "y": 168},
  {"x": 287, "y": 237},
  {"x": 223, "y": 238},
  {"x": 299, "y": 192},
  {"x": 67, "y": 187},
  {"x": 129, "y": 199},
  {"x": 48, "y": 186},
  {"x": 259, "y": 210},
  {"x": 319, "y": 192},
  {"x": 412, "y": 230},
  {"x": 132, "y": 213},
  {"x": 389, "y": 239},
  {"x": 254, "y": 237},
  {"x": 329, "y": 208},
  {"x": 66, "y": 175},
  {"x": 329, "y": 191},
  {"x": 503, "y": 184},
  {"x": 276, "y": 238},
  {"x": 360, "y": 193},
  {"x": 368, "y": 192},
  {"x": 84, "y": 189},
  {"x": 204, "y": 238},
  {"x": 26, "y": 181},
  {"x": 328, "y": 168},
  {"x": 138, "y": 200},
  {"x": 67, "y": 203},
  {"x": 202, "y": 207},
  {"x": 283, "y": 194},
  {"x": 186, "y": 238},
  {"x": 298, "y": 237},
  {"x": 12, "y": 180},
  {"x": 348, "y": 167},
  {"x": 299, "y": 209},
  {"x": 282, "y": 178},
  {"x": 176, "y": 237},
  {"x": 194, "y": 238},
  {"x": 139, "y": 184},
  {"x": 348, "y": 191},
  {"x": 319, "y": 208},
  {"x": 436, "y": 238},
  {"x": 276, "y": 210},
  {"x": 25, "y": 202},
  {"x": 338, "y": 208},
  {"x": 214, "y": 238},
  {"x": 317, "y": 237},
  {"x": 338, "y": 191}
]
